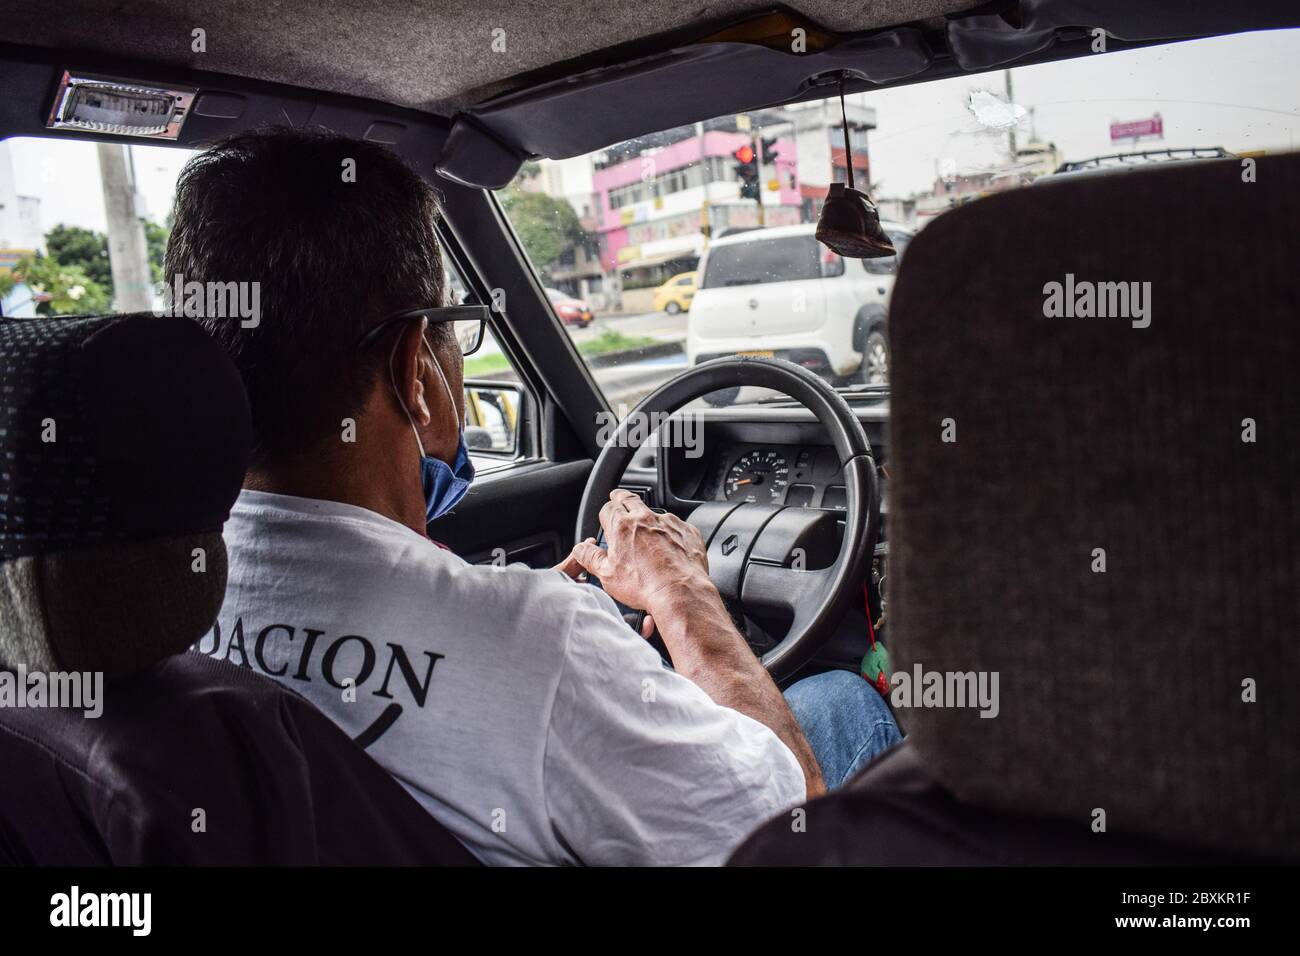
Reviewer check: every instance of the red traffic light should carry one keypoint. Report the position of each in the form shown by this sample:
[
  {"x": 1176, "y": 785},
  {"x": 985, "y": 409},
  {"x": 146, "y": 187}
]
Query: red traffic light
[{"x": 744, "y": 155}]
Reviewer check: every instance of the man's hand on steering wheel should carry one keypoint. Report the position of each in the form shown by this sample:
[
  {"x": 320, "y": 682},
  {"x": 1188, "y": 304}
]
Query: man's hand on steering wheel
[
  {"x": 667, "y": 567},
  {"x": 752, "y": 548},
  {"x": 653, "y": 562},
  {"x": 658, "y": 562}
]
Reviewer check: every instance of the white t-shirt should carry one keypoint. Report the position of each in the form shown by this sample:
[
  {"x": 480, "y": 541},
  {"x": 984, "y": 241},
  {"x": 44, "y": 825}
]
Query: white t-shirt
[{"x": 515, "y": 705}]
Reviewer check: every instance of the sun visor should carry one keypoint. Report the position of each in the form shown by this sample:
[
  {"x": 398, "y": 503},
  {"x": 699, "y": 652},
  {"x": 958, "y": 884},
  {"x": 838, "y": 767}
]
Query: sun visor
[
  {"x": 473, "y": 157},
  {"x": 578, "y": 114},
  {"x": 986, "y": 42},
  {"x": 754, "y": 65}
]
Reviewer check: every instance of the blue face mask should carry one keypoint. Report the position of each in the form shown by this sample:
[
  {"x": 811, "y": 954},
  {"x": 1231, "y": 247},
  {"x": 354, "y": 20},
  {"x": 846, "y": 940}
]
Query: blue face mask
[{"x": 444, "y": 485}]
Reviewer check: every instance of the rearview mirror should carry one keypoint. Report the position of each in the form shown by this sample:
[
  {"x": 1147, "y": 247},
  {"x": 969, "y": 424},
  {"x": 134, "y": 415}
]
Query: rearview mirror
[{"x": 492, "y": 414}]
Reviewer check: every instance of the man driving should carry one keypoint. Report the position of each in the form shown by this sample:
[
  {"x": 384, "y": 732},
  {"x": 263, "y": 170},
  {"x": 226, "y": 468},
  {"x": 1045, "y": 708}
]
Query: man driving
[{"x": 515, "y": 704}]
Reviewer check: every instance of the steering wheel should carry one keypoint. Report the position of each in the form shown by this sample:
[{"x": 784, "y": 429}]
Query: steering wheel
[{"x": 761, "y": 555}]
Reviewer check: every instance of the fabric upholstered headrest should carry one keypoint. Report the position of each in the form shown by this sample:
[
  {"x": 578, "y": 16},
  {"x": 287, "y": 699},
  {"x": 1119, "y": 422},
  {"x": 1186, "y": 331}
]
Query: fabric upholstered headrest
[
  {"x": 124, "y": 441},
  {"x": 1104, "y": 510}
]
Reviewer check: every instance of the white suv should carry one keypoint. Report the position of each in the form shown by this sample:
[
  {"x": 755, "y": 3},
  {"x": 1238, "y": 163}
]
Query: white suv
[{"x": 781, "y": 292}]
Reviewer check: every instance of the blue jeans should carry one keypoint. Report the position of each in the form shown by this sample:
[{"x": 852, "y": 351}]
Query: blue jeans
[{"x": 846, "y": 721}]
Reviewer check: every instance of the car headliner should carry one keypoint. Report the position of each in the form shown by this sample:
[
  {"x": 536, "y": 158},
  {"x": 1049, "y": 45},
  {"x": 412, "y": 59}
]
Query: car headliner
[
  {"x": 570, "y": 68},
  {"x": 431, "y": 56}
]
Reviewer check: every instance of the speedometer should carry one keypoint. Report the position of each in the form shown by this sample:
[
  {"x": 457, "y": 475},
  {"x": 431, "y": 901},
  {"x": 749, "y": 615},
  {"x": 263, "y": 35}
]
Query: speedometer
[{"x": 758, "y": 477}]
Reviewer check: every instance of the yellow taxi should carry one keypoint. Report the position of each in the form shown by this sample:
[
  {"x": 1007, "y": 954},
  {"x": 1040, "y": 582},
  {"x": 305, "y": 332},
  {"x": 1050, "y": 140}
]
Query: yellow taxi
[{"x": 675, "y": 295}]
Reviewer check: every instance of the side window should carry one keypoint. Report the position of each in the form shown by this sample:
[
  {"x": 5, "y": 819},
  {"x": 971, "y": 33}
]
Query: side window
[
  {"x": 55, "y": 225},
  {"x": 494, "y": 396},
  {"x": 54, "y": 259},
  {"x": 497, "y": 429}
]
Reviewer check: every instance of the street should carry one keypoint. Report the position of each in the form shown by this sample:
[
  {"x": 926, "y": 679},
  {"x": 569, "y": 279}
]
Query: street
[
  {"x": 659, "y": 325},
  {"x": 626, "y": 382},
  {"x": 629, "y": 382}
]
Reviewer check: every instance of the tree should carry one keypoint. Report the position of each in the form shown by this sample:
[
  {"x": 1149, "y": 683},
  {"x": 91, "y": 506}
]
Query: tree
[
  {"x": 71, "y": 290},
  {"x": 78, "y": 271},
  {"x": 84, "y": 248},
  {"x": 155, "y": 237},
  {"x": 546, "y": 225}
]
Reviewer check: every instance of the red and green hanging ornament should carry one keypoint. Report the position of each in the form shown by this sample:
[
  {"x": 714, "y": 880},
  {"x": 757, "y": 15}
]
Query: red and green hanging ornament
[{"x": 875, "y": 663}]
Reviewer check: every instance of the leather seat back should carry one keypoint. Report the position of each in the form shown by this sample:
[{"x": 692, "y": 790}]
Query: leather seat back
[
  {"x": 202, "y": 762},
  {"x": 124, "y": 442}
]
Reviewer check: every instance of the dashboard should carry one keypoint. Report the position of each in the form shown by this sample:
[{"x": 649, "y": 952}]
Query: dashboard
[
  {"x": 805, "y": 476},
  {"x": 766, "y": 455}
]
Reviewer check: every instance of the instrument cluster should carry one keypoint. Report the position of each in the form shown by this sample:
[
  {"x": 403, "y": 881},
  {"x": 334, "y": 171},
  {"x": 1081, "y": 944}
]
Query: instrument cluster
[{"x": 806, "y": 476}]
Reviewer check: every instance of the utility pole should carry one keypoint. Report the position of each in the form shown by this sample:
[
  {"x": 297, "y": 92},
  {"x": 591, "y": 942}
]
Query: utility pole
[
  {"x": 706, "y": 222},
  {"x": 1011, "y": 130},
  {"x": 128, "y": 254}
]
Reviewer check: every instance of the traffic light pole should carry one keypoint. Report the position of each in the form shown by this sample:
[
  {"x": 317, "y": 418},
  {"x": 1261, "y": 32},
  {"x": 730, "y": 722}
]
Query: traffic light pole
[
  {"x": 765, "y": 154},
  {"x": 747, "y": 171}
]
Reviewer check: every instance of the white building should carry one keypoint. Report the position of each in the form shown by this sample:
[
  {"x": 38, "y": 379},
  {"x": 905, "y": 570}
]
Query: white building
[
  {"x": 569, "y": 179},
  {"x": 819, "y": 138},
  {"x": 20, "y": 216}
]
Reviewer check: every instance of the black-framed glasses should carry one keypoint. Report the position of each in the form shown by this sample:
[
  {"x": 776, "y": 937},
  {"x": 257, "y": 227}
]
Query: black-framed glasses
[{"x": 468, "y": 323}]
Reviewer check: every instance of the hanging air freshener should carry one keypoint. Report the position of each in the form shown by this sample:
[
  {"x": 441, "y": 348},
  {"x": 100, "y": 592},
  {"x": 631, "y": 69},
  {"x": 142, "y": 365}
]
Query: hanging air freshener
[{"x": 875, "y": 663}]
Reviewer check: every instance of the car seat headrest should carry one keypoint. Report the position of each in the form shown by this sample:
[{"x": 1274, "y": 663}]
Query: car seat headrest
[
  {"x": 123, "y": 444},
  {"x": 1094, "y": 458}
]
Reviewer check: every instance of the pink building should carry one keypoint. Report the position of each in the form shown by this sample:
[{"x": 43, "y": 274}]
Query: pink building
[{"x": 650, "y": 206}]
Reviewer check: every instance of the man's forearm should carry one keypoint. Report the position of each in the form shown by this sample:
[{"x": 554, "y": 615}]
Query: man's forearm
[{"x": 707, "y": 649}]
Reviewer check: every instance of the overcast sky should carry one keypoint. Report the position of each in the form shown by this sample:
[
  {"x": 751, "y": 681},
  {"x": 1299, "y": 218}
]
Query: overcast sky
[{"x": 1240, "y": 92}]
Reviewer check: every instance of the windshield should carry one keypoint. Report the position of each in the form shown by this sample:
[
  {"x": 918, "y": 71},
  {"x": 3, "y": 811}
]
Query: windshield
[{"x": 735, "y": 199}]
